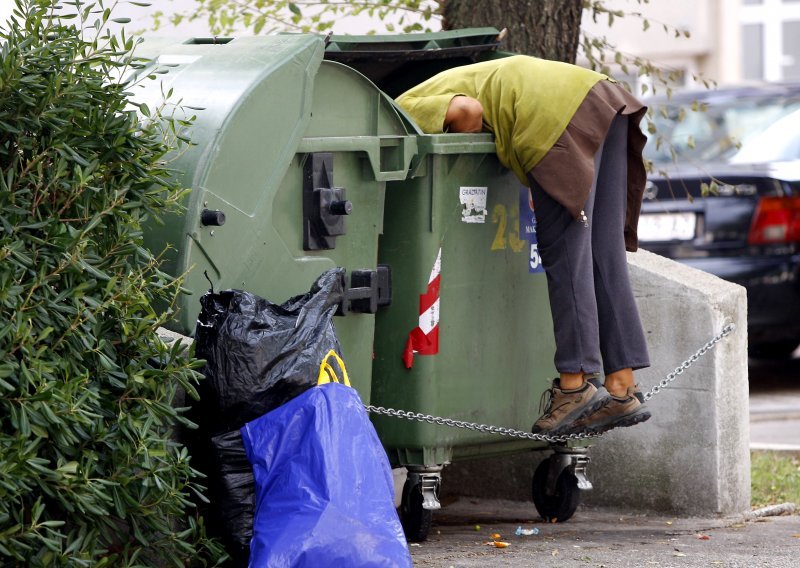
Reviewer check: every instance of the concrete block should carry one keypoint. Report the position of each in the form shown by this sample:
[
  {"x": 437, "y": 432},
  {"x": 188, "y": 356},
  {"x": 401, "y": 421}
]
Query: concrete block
[{"x": 692, "y": 458}]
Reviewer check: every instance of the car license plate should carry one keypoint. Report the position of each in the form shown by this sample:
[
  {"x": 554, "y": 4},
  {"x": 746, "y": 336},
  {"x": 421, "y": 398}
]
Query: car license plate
[{"x": 659, "y": 227}]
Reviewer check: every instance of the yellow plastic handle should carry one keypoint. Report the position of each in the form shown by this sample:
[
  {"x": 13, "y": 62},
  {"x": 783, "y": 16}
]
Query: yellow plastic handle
[{"x": 327, "y": 372}]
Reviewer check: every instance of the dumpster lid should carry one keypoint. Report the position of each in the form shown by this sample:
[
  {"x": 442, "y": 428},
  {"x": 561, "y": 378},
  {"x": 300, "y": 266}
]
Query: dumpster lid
[
  {"x": 434, "y": 45},
  {"x": 397, "y": 62}
]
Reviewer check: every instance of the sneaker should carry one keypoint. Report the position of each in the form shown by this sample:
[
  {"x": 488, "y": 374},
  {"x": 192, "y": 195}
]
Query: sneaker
[
  {"x": 566, "y": 406},
  {"x": 612, "y": 412}
]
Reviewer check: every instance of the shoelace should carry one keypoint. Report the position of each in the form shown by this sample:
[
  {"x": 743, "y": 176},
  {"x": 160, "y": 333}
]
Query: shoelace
[{"x": 546, "y": 401}]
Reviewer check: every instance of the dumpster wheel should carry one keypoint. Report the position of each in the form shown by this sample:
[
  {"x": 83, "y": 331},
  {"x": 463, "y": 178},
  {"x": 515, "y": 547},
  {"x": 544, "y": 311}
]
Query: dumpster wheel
[
  {"x": 416, "y": 520},
  {"x": 560, "y": 503}
]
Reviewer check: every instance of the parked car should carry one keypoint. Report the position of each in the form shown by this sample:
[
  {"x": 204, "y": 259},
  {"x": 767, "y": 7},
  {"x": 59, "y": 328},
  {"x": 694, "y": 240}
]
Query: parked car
[{"x": 724, "y": 197}]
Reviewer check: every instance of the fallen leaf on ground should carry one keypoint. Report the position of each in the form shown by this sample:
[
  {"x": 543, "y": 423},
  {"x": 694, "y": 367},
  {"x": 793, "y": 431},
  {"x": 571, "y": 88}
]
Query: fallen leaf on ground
[
  {"x": 501, "y": 544},
  {"x": 796, "y": 535},
  {"x": 703, "y": 537}
]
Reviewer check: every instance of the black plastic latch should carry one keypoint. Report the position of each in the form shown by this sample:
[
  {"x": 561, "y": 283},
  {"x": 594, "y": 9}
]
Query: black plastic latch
[
  {"x": 214, "y": 218},
  {"x": 368, "y": 291},
  {"x": 324, "y": 206}
]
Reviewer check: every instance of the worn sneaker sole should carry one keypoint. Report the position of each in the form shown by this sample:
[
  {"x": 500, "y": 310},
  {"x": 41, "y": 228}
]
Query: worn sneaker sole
[{"x": 641, "y": 414}]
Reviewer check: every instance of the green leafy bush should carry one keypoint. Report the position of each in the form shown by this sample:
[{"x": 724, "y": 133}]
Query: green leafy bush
[{"x": 90, "y": 474}]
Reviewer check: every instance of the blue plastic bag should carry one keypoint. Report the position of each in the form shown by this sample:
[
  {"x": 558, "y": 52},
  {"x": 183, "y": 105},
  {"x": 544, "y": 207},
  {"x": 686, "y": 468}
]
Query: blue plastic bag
[{"x": 324, "y": 491}]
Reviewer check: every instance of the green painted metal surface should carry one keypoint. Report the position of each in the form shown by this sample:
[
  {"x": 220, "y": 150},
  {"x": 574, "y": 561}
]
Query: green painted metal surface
[
  {"x": 495, "y": 332},
  {"x": 266, "y": 104}
]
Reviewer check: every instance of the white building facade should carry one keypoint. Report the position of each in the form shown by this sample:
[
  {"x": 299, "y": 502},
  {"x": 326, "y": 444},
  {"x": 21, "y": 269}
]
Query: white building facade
[{"x": 731, "y": 41}]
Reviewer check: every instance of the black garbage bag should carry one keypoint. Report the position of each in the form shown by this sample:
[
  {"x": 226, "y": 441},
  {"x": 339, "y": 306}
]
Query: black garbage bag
[
  {"x": 259, "y": 355},
  {"x": 235, "y": 494}
]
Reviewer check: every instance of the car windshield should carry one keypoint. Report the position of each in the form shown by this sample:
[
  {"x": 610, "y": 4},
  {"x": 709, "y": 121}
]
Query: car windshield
[{"x": 738, "y": 130}]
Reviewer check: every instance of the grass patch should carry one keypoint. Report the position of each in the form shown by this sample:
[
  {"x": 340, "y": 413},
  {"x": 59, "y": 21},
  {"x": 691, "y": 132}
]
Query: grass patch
[{"x": 775, "y": 478}]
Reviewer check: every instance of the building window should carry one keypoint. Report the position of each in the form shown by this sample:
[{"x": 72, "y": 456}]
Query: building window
[
  {"x": 791, "y": 50},
  {"x": 770, "y": 42},
  {"x": 753, "y": 52}
]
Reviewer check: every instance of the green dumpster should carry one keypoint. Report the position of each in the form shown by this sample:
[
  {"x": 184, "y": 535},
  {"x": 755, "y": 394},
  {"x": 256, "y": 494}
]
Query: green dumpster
[
  {"x": 288, "y": 167},
  {"x": 469, "y": 315},
  {"x": 300, "y": 162},
  {"x": 468, "y": 335}
]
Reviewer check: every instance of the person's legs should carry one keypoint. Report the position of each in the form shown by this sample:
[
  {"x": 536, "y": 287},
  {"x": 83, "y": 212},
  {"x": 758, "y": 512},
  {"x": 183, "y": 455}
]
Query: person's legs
[
  {"x": 566, "y": 251},
  {"x": 592, "y": 301},
  {"x": 622, "y": 340}
]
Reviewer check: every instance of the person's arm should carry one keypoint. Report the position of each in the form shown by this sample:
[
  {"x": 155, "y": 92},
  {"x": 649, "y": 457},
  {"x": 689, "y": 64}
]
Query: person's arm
[{"x": 464, "y": 114}]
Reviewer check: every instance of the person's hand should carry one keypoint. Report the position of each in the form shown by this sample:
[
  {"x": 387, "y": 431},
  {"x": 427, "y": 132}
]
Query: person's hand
[{"x": 464, "y": 114}]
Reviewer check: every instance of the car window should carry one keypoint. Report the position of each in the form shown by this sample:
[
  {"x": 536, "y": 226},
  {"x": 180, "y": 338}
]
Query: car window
[
  {"x": 780, "y": 141},
  {"x": 721, "y": 130}
]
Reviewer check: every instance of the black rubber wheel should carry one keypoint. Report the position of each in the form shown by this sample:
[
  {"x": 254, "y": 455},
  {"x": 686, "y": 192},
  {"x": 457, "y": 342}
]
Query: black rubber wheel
[
  {"x": 416, "y": 521},
  {"x": 560, "y": 506}
]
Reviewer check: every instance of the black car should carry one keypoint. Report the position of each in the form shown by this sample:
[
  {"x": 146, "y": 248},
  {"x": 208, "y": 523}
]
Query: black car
[{"x": 724, "y": 197}]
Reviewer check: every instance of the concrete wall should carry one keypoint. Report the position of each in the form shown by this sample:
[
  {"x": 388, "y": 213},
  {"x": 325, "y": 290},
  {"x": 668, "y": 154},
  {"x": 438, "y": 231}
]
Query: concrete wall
[{"x": 692, "y": 457}]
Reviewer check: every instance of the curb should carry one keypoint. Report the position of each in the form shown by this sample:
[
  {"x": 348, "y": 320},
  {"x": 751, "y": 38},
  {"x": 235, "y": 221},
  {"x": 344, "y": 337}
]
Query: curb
[
  {"x": 772, "y": 416},
  {"x": 763, "y": 447}
]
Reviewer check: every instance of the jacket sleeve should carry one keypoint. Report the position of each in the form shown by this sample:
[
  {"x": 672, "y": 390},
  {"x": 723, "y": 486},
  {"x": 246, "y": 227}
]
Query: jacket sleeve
[{"x": 427, "y": 111}]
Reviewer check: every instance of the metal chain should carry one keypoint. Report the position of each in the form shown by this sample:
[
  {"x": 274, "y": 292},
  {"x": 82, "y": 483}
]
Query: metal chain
[
  {"x": 727, "y": 330},
  {"x": 419, "y": 417},
  {"x": 473, "y": 426}
]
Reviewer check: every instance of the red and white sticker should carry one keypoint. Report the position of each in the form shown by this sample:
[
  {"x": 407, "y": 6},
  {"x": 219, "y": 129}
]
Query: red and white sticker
[{"x": 424, "y": 339}]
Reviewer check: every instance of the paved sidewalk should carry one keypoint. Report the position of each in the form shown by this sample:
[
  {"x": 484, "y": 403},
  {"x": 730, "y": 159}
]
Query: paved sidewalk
[{"x": 602, "y": 538}]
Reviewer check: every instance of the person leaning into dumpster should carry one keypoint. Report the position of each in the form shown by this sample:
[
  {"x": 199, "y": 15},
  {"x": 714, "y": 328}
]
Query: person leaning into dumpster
[{"x": 572, "y": 135}]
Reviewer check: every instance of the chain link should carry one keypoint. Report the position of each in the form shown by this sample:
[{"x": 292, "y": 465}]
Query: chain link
[
  {"x": 416, "y": 416},
  {"x": 680, "y": 369},
  {"x": 430, "y": 419}
]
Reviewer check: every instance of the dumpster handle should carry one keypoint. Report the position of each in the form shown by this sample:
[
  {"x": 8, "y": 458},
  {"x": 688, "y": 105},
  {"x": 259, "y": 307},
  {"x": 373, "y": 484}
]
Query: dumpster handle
[
  {"x": 419, "y": 417},
  {"x": 375, "y": 147}
]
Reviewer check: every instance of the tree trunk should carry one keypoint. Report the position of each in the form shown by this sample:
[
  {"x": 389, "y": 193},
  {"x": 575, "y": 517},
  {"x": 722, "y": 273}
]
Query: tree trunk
[{"x": 545, "y": 28}]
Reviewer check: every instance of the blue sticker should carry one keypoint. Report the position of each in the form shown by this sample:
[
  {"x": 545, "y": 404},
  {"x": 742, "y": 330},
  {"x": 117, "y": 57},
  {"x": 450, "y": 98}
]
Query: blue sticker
[{"x": 527, "y": 230}]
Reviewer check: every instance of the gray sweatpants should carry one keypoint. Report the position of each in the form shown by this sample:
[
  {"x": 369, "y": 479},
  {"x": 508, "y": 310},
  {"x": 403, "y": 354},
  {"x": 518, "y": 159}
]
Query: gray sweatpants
[{"x": 595, "y": 319}]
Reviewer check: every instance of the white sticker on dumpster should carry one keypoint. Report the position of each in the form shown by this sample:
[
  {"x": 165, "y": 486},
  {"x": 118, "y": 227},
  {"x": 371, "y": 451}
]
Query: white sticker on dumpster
[{"x": 473, "y": 199}]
